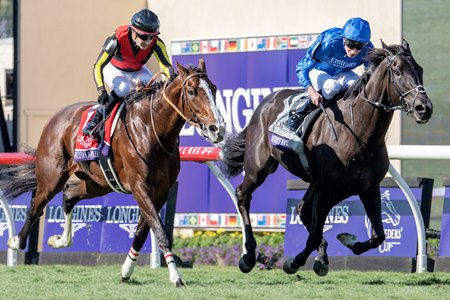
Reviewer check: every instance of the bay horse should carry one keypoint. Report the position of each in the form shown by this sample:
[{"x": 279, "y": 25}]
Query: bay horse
[
  {"x": 346, "y": 152},
  {"x": 144, "y": 154}
]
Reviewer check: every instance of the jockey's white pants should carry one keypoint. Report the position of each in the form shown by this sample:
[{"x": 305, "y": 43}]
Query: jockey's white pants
[
  {"x": 123, "y": 82},
  {"x": 331, "y": 85}
]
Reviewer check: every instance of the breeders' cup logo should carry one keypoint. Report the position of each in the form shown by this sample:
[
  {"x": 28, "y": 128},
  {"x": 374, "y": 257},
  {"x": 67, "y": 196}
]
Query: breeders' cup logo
[
  {"x": 130, "y": 228},
  {"x": 85, "y": 141},
  {"x": 391, "y": 217}
]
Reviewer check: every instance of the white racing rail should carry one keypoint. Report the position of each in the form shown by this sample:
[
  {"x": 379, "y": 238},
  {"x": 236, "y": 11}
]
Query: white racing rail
[{"x": 209, "y": 155}]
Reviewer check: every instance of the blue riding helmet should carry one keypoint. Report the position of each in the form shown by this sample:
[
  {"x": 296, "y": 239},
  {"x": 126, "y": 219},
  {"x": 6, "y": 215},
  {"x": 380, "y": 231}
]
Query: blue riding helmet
[{"x": 358, "y": 30}]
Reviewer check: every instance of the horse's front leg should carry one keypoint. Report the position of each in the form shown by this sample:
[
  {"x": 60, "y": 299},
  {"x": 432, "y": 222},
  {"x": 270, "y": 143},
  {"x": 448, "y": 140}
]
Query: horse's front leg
[
  {"x": 371, "y": 200},
  {"x": 304, "y": 210},
  {"x": 140, "y": 237},
  {"x": 150, "y": 213},
  {"x": 319, "y": 212},
  {"x": 248, "y": 259}
]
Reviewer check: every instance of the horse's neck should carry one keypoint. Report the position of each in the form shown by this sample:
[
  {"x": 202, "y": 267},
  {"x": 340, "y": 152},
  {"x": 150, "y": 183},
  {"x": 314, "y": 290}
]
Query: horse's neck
[
  {"x": 168, "y": 122},
  {"x": 371, "y": 123}
]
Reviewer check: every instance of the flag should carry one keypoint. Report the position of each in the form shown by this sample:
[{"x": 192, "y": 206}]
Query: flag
[
  {"x": 271, "y": 43},
  {"x": 232, "y": 45},
  {"x": 232, "y": 221},
  {"x": 251, "y": 44},
  {"x": 261, "y": 44},
  {"x": 195, "y": 47},
  {"x": 213, "y": 46},
  {"x": 176, "y": 48},
  {"x": 203, "y": 220},
  {"x": 292, "y": 42},
  {"x": 242, "y": 45},
  {"x": 282, "y": 42},
  {"x": 223, "y": 46},
  {"x": 213, "y": 220},
  {"x": 204, "y": 46}
]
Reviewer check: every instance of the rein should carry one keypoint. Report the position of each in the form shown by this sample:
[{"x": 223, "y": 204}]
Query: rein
[{"x": 197, "y": 123}]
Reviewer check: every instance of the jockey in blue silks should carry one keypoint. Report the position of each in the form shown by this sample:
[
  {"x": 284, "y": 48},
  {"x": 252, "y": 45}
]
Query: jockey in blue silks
[{"x": 328, "y": 65}]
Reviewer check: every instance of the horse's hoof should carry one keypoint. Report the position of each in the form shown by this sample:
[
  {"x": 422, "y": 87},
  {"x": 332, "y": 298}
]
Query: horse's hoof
[
  {"x": 52, "y": 240},
  {"x": 288, "y": 266},
  {"x": 124, "y": 279},
  {"x": 244, "y": 267},
  {"x": 347, "y": 239},
  {"x": 320, "y": 268},
  {"x": 179, "y": 283}
]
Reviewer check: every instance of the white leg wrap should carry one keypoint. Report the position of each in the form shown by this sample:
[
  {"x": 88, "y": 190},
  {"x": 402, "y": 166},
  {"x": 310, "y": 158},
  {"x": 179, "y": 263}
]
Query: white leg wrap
[
  {"x": 130, "y": 262},
  {"x": 64, "y": 240},
  {"x": 13, "y": 243},
  {"x": 174, "y": 274}
]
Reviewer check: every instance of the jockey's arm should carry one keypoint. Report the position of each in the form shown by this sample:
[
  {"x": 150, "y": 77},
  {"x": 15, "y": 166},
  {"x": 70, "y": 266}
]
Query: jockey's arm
[
  {"x": 107, "y": 52},
  {"x": 161, "y": 55}
]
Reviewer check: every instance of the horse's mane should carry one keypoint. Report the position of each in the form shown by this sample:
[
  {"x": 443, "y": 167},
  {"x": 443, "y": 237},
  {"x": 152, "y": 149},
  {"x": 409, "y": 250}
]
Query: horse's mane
[
  {"x": 373, "y": 57},
  {"x": 134, "y": 96}
]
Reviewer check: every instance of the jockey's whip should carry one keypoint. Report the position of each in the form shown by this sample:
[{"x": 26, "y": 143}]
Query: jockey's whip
[{"x": 329, "y": 120}]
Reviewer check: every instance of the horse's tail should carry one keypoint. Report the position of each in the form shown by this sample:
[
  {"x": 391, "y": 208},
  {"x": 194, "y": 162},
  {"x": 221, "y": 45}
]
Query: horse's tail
[
  {"x": 16, "y": 180},
  {"x": 232, "y": 163}
]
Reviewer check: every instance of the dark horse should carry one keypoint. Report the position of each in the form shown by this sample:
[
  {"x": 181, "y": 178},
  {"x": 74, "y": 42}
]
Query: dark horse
[
  {"x": 346, "y": 153},
  {"x": 144, "y": 154}
]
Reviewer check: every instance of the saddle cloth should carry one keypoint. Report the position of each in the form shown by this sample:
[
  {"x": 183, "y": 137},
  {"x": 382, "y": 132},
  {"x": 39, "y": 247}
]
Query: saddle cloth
[
  {"x": 279, "y": 135},
  {"x": 87, "y": 148}
]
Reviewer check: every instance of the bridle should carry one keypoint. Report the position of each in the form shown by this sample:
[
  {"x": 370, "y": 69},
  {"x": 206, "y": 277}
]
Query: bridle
[
  {"x": 194, "y": 120},
  {"x": 419, "y": 89}
]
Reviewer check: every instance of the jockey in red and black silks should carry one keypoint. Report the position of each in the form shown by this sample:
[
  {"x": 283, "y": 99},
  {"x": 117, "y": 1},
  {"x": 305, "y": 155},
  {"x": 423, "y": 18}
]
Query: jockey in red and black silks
[{"x": 121, "y": 62}]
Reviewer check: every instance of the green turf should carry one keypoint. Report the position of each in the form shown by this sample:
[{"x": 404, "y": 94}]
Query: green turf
[{"x": 102, "y": 282}]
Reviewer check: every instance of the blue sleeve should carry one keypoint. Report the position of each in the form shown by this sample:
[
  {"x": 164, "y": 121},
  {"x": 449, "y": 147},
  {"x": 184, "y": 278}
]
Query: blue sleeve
[{"x": 307, "y": 63}]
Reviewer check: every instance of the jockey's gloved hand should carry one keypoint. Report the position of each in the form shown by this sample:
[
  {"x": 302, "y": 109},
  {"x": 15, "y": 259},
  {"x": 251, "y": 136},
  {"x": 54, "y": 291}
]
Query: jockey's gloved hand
[{"x": 103, "y": 97}]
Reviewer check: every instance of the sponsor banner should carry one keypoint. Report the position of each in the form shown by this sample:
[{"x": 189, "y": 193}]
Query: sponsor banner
[
  {"x": 444, "y": 245},
  {"x": 106, "y": 224},
  {"x": 19, "y": 208},
  {"x": 349, "y": 217}
]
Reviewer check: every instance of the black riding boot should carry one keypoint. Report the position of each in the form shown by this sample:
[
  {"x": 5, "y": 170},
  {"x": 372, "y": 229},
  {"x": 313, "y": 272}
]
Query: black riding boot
[
  {"x": 296, "y": 117},
  {"x": 91, "y": 126}
]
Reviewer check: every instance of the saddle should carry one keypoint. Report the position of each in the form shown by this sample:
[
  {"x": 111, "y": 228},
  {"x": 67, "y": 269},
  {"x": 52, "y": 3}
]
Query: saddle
[
  {"x": 88, "y": 148},
  {"x": 283, "y": 138}
]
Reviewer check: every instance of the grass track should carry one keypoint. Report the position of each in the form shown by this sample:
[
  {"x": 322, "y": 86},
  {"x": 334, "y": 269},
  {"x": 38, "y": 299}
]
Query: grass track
[{"x": 213, "y": 282}]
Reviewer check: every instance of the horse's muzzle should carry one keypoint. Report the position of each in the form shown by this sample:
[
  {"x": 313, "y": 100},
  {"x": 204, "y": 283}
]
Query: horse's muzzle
[
  {"x": 215, "y": 134},
  {"x": 423, "y": 111}
]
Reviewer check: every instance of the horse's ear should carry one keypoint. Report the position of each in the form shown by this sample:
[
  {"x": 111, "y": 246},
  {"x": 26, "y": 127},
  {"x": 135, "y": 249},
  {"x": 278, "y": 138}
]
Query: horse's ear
[
  {"x": 181, "y": 70},
  {"x": 405, "y": 45},
  {"x": 202, "y": 65},
  {"x": 387, "y": 48}
]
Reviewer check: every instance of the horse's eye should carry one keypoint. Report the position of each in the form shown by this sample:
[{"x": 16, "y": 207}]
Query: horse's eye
[
  {"x": 191, "y": 92},
  {"x": 397, "y": 72}
]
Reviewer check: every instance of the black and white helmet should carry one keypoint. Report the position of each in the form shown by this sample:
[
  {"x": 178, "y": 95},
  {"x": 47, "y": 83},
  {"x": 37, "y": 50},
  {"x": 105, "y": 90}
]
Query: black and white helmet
[{"x": 145, "y": 22}]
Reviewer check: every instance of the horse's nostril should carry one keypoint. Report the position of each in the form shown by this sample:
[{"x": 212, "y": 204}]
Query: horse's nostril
[
  {"x": 419, "y": 108},
  {"x": 213, "y": 128}
]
